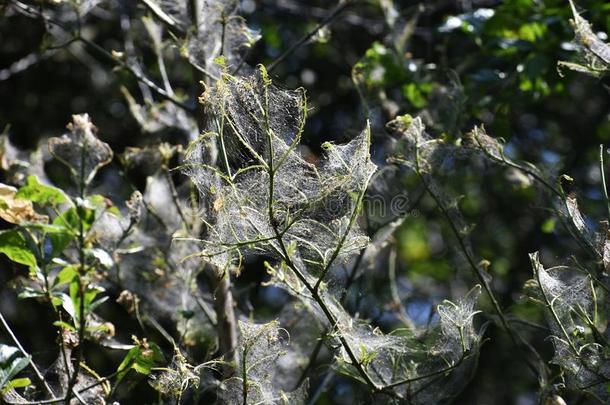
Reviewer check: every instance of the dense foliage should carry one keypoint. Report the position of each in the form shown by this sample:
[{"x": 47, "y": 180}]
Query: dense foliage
[{"x": 205, "y": 230}]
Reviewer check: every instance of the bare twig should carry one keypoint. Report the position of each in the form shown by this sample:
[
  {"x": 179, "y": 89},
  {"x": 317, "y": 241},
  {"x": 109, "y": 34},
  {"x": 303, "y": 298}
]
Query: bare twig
[
  {"x": 165, "y": 18},
  {"x": 30, "y": 11},
  {"x": 327, "y": 20},
  {"x": 35, "y": 369},
  {"x": 603, "y": 174},
  {"x": 517, "y": 340}
]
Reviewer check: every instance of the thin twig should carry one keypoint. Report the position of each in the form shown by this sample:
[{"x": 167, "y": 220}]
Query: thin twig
[
  {"x": 37, "y": 372},
  {"x": 107, "y": 56},
  {"x": 174, "y": 194},
  {"x": 165, "y": 18},
  {"x": 76, "y": 393},
  {"x": 82, "y": 319},
  {"x": 603, "y": 174},
  {"x": 327, "y": 20},
  {"x": 138, "y": 75},
  {"x": 514, "y": 336},
  {"x": 283, "y": 251}
]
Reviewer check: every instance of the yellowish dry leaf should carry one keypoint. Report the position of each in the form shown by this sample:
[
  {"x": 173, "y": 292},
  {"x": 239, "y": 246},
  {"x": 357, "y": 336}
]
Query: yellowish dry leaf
[{"x": 17, "y": 211}]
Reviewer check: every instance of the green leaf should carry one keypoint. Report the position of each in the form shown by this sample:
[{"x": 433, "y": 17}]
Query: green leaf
[
  {"x": 90, "y": 293},
  {"x": 57, "y": 234},
  {"x": 29, "y": 292},
  {"x": 148, "y": 358},
  {"x": 141, "y": 358},
  {"x": 40, "y": 193},
  {"x": 97, "y": 202},
  {"x": 59, "y": 242},
  {"x": 14, "y": 246},
  {"x": 532, "y": 31},
  {"x": 67, "y": 226},
  {"x": 71, "y": 219},
  {"x": 127, "y": 361},
  {"x": 103, "y": 257},
  {"x": 65, "y": 276},
  {"x": 366, "y": 357},
  {"x": 17, "y": 383},
  {"x": 416, "y": 94},
  {"x": 100, "y": 204},
  {"x": 549, "y": 225},
  {"x": 68, "y": 305},
  {"x": 97, "y": 303},
  {"x": 12, "y": 362},
  {"x": 64, "y": 325},
  {"x": 379, "y": 67}
]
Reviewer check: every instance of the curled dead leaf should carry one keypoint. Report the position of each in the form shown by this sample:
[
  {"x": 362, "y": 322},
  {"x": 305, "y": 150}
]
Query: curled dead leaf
[{"x": 17, "y": 211}]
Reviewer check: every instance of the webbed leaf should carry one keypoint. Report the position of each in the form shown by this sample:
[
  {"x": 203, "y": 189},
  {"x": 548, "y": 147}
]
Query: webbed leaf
[
  {"x": 80, "y": 149},
  {"x": 262, "y": 185}
]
